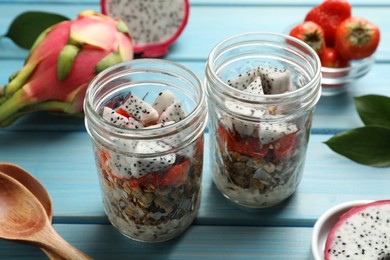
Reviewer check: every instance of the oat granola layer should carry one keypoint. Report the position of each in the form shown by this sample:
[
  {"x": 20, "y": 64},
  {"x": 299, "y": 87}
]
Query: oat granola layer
[
  {"x": 152, "y": 233},
  {"x": 257, "y": 182},
  {"x": 254, "y": 197},
  {"x": 152, "y": 214}
]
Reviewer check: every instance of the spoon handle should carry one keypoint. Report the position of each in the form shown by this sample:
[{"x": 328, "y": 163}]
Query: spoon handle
[
  {"x": 51, "y": 255},
  {"x": 56, "y": 247}
]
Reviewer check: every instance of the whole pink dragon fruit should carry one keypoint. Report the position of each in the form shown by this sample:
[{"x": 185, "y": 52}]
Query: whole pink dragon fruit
[
  {"x": 154, "y": 25},
  {"x": 61, "y": 63}
]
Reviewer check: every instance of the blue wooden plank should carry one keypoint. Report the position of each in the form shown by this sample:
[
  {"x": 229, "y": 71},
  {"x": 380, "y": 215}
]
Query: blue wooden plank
[
  {"x": 192, "y": 44},
  {"x": 60, "y": 154},
  {"x": 63, "y": 162},
  {"x": 224, "y": 22},
  {"x": 220, "y": 2},
  {"x": 332, "y": 113},
  {"x": 198, "y": 242}
]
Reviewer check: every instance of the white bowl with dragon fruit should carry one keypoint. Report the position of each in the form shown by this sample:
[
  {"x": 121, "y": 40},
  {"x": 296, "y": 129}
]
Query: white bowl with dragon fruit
[
  {"x": 353, "y": 230},
  {"x": 146, "y": 119},
  {"x": 263, "y": 88}
]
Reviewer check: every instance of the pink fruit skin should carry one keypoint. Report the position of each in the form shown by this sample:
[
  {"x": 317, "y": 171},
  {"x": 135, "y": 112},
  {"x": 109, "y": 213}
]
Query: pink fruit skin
[
  {"x": 161, "y": 48},
  {"x": 43, "y": 84},
  {"x": 344, "y": 217}
]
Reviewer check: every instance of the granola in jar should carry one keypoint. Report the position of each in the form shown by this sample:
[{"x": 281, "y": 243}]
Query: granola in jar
[
  {"x": 255, "y": 174},
  {"x": 157, "y": 206},
  {"x": 262, "y": 90},
  {"x": 146, "y": 118}
]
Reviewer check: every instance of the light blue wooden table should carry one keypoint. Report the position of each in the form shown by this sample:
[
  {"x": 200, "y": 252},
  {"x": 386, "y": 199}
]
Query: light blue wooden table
[{"x": 57, "y": 150}]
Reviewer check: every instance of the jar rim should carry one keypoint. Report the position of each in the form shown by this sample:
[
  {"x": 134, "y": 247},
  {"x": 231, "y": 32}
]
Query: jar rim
[
  {"x": 142, "y": 133},
  {"x": 297, "y": 92}
]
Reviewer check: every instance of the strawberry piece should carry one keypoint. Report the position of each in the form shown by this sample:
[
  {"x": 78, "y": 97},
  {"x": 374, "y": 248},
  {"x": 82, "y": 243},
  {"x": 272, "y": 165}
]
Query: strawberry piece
[
  {"x": 250, "y": 146},
  {"x": 285, "y": 146},
  {"x": 177, "y": 174},
  {"x": 329, "y": 14},
  {"x": 153, "y": 178},
  {"x": 122, "y": 112},
  {"x": 357, "y": 38},
  {"x": 312, "y": 34},
  {"x": 225, "y": 138},
  {"x": 199, "y": 146},
  {"x": 247, "y": 145},
  {"x": 331, "y": 59},
  {"x": 174, "y": 176}
]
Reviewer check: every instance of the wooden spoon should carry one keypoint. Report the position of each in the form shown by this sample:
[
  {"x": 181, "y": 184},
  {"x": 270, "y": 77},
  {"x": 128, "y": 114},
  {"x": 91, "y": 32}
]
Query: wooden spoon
[
  {"x": 31, "y": 183},
  {"x": 34, "y": 186},
  {"x": 23, "y": 218}
]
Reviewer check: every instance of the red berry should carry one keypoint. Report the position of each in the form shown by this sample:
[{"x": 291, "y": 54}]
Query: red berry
[
  {"x": 331, "y": 59},
  {"x": 357, "y": 38},
  {"x": 177, "y": 174},
  {"x": 122, "y": 112},
  {"x": 247, "y": 145},
  {"x": 285, "y": 146},
  {"x": 329, "y": 14},
  {"x": 312, "y": 34}
]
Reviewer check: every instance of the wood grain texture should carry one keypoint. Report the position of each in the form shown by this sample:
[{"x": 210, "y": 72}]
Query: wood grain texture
[
  {"x": 58, "y": 152},
  {"x": 213, "y": 23},
  {"x": 70, "y": 177},
  {"x": 198, "y": 242}
]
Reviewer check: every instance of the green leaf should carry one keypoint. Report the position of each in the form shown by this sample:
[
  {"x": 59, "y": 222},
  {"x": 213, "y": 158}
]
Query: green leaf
[
  {"x": 369, "y": 145},
  {"x": 374, "y": 109},
  {"x": 26, "y": 27}
]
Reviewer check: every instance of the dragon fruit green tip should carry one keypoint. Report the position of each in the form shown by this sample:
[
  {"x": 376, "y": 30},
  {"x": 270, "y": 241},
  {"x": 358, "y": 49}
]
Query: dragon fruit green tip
[{"x": 61, "y": 63}]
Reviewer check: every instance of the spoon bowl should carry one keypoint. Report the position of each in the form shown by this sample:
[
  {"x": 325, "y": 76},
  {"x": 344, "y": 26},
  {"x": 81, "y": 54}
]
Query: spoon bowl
[
  {"x": 31, "y": 183},
  {"x": 23, "y": 218},
  {"x": 34, "y": 186}
]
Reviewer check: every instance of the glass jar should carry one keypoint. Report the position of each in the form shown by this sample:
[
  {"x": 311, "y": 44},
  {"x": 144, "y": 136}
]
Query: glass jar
[
  {"x": 258, "y": 139},
  {"x": 157, "y": 205}
]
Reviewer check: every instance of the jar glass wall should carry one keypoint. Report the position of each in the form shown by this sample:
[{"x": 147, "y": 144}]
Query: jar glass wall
[
  {"x": 262, "y": 90},
  {"x": 150, "y": 176}
]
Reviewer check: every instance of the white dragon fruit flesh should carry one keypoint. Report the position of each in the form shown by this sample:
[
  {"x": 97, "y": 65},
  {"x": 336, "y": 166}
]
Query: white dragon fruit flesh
[
  {"x": 245, "y": 129},
  {"x": 140, "y": 110},
  {"x": 243, "y": 80},
  {"x": 158, "y": 125},
  {"x": 163, "y": 100},
  {"x": 154, "y": 25},
  {"x": 139, "y": 159},
  {"x": 273, "y": 81},
  {"x": 261, "y": 81},
  {"x": 242, "y": 110},
  {"x": 173, "y": 112},
  {"x": 270, "y": 132},
  {"x": 110, "y": 115},
  {"x": 120, "y": 166},
  {"x": 363, "y": 232},
  {"x": 134, "y": 124},
  {"x": 240, "y": 126},
  {"x": 177, "y": 139},
  {"x": 255, "y": 87},
  {"x": 141, "y": 166},
  {"x": 118, "y": 163}
]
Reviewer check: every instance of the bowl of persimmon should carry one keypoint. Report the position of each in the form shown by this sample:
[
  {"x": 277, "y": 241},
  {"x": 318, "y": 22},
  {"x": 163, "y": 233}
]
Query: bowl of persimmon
[
  {"x": 345, "y": 44},
  {"x": 337, "y": 80}
]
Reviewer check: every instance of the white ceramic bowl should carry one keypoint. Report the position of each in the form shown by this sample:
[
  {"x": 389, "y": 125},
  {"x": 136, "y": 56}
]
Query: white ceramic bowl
[
  {"x": 338, "y": 80},
  {"x": 326, "y": 222}
]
